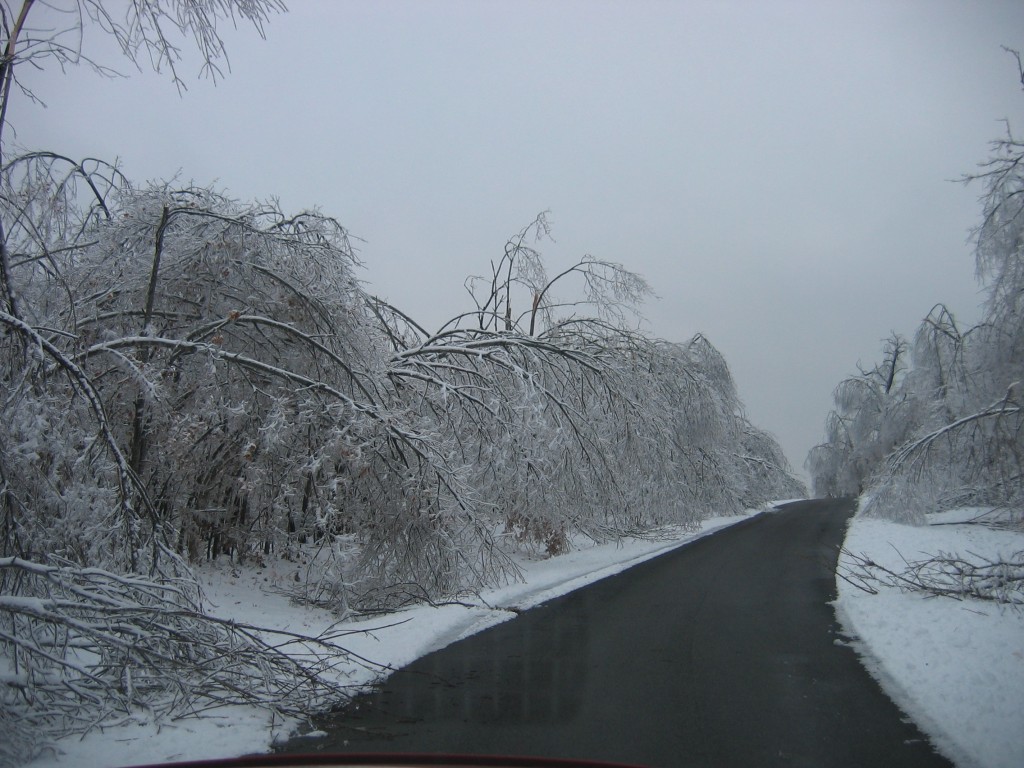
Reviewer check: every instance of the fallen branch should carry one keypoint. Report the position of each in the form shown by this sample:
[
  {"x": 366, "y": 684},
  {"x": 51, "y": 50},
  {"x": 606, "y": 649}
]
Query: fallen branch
[
  {"x": 942, "y": 575},
  {"x": 83, "y": 647}
]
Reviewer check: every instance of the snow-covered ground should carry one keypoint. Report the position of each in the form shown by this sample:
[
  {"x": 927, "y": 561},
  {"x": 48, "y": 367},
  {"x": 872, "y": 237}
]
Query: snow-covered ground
[
  {"x": 393, "y": 641},
  {"x": 955, "y": 667}
]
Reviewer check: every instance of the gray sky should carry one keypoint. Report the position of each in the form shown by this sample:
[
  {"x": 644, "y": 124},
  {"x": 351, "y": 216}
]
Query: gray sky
[{"x": 778, "y": 171}]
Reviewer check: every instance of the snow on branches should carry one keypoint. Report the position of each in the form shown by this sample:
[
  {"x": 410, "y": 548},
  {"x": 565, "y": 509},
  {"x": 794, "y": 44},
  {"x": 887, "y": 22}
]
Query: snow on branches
[
  {"x": 252, "y": 398},
  {"x": 946, "y": 428},
  {"x": 85, "y": 647},
  {"x": 187, "y": 377}
]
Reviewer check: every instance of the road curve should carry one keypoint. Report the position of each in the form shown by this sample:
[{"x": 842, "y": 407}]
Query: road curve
[{"x": 721, "y": 653}]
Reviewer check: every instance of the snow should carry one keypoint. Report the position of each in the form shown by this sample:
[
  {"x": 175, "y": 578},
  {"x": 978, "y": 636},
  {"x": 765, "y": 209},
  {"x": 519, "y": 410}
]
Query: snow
[
  {"x": 955, "y": 667},
  {"x": 390, "y": 641}
]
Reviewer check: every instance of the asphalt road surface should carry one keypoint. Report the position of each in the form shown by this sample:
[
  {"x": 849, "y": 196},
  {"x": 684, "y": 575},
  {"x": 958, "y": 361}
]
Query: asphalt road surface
[{"x": 725, "y": 652}]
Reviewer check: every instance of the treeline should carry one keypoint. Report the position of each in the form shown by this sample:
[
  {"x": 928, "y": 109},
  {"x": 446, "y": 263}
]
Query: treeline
[
  {"x": 187, "y": 377},
  {"x": 937, "y": 424}
]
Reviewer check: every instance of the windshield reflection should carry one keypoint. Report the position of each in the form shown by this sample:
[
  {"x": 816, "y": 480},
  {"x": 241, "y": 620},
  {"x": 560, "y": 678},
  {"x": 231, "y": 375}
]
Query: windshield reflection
[{"x": 533, "y": 676}]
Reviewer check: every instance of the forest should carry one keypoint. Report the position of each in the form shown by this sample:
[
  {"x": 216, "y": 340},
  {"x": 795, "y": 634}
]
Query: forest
[
  {"x": 937, "y": 423},
  {"x": 189, "y": 377}
]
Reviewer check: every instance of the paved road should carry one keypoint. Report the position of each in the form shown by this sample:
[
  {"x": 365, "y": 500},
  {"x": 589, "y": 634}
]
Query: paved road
[{"x": 722, "y": 653}]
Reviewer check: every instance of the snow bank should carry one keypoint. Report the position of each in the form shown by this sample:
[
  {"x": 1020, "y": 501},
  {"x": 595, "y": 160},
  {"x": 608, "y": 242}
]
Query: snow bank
[{"x": 955, "y": 667}]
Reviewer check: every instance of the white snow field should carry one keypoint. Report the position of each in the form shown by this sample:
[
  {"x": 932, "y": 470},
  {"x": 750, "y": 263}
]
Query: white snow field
[{"x": 956, "y": 667}]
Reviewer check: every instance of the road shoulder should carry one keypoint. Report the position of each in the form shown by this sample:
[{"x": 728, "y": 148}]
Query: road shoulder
[{"x": 955, "y": 666}]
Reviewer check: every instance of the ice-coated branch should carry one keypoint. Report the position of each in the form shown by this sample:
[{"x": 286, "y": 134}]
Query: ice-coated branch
[
  {"x": 1007, "y": 406},
  {"x": 87, "y": 647},
  {"x": 942, "y": 575}
]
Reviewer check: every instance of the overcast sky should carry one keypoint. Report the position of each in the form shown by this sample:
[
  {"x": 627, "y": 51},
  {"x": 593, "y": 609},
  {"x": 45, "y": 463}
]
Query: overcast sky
[{"x": 778, "y": 171}]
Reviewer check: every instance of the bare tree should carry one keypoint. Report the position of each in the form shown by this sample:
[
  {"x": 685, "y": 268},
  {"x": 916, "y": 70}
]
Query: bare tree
[
  {"x": 146, "y": 31},
  {"x": 519, "y": 296}
]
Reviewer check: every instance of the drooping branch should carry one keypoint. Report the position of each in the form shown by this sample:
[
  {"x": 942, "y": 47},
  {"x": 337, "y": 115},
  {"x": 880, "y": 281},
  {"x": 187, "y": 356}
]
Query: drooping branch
[{"x": 1007, "y": 406}]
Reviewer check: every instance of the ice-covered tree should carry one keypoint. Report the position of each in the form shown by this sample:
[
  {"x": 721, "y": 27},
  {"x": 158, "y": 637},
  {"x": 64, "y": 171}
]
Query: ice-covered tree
[
  {"x": 99, "y": 615},
  {"x": 153, "y": 32},
  {"x": 872, "y": 415},
  {"x": 957, "y": 436}
]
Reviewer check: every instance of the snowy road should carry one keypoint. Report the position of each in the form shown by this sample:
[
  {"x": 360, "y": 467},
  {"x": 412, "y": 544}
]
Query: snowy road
[{"x": 721, "y": 653}]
